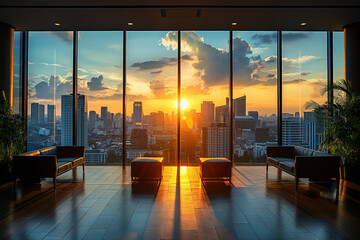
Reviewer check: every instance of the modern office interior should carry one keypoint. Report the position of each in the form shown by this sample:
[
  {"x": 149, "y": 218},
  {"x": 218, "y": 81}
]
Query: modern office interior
[{"x": 261, "y": 97}]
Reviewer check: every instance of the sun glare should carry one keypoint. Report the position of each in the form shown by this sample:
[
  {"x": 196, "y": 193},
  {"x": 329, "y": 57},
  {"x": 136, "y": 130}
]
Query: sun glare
[{"x": 184, "y": 104}]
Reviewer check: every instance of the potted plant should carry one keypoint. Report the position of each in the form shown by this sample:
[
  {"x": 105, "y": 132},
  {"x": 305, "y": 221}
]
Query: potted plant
[
  {"x": 342, "y": 127},
  {"x": 12, "y": 137}
]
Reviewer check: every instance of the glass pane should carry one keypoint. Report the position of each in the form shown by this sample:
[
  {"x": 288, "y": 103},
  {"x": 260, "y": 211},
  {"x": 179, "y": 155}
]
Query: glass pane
[
  {"x": 17, "y": 79},
  {"x": 339, "y": 61},
  {"x": 205, "y": 65},
  {"x": 50, "y": 88},
  {"x": 100, "y": 81},
  {"x": 255, "y": 95},
  {"x": 151, "y": 94},
  {"x": 304, "y": 79}
]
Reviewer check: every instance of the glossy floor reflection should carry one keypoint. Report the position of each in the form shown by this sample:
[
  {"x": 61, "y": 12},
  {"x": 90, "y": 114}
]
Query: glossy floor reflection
[{"x": 107, "y": 206}]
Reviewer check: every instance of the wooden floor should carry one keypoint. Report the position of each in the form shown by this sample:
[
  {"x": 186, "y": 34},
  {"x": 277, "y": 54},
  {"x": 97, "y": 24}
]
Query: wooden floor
[{"x": 107, "y": 206}]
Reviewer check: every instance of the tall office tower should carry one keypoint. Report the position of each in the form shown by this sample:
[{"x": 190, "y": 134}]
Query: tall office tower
[
  {"x": 41, "y": 114},
  {"x": 240, "y": 106},
  {"x": 262, "y": 134},
  {"x": 222, "y": 113},
  {"x": 34, "y": 120},
  {"x": 292, "y": 130},
  {"x": 157, "y": 119},
  {"x": 51, "y": 113},
  {"x": 92, "y": 119},
  {"x": 255, "y": 115},
  {"x": 137, "y": 116},
  {"x": 297, "y": 114},
  {"x": 215, "y": 140},
  {"x": 104, "y": 113},
  {"x": 312, "y": 130},
  {"x": 67, "y": 120},
  {"x": 139, "y": 138},
  {"x": 207, "y": 113}
]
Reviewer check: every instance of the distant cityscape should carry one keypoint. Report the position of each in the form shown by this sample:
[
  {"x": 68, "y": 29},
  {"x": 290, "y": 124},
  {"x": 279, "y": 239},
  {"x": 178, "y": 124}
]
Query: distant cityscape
[{"x": 204, "y": 134}]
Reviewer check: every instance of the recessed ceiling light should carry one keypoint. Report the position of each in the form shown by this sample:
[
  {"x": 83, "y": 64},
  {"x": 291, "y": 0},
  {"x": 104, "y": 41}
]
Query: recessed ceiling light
[
  {"x": 234, "y": 23},
  {"x": 303, "y": 24},
  {"x": 57, "y": 24},
  {"x": 130, "y": 23}
]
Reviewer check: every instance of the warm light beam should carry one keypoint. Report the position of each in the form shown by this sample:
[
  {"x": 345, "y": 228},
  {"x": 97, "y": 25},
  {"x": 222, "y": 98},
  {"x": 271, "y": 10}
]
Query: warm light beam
[{"x": 184, "y": 104}]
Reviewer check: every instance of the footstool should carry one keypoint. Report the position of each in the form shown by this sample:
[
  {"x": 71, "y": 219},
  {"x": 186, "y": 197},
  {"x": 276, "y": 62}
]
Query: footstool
[
  {"x": 147, "y": 169},
  {"x": 215, "y": 169}
]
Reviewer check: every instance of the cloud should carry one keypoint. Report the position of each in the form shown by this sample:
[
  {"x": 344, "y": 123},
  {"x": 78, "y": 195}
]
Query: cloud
[
  {"x": 305, "y": 73},
  {"x": 187, "y": 57},
  {"x": 149, "y": 65},
  {"x": 66, "y": 36},
  {"x": 156, "y": 72},
  {"x": 195, "y": 90},
  {"x": 213, "y": 63},
  {"x": 269, "y": 38},
  {"x": 57, "y": 85},
  {"x": 159, "y": 89},
  {"x": 96, "y": 83},
  {"x": 294, "y": 81}
]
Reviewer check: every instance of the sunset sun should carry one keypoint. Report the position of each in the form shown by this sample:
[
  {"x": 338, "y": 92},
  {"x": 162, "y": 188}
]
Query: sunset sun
[{"x": 184, "y": 104}]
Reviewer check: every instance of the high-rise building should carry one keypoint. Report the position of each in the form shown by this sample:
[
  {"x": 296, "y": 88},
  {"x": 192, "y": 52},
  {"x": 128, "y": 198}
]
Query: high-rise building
[
  {"x": 34, "y": 114},
  {"x": 207, "y": 113},
  {"x": 255, "y": 115},
  {"x": 137, "y": 117},
  {"x": 139, "y": 138},
  {"x": 157, "y": 119},
  {"x": 262, "y": 135},
  {"x": 104, "y": 113},
  {"x": 292, "y": 131},
  {"x": 67, "y": 120},
  {"x": 41, "y": 114},
  {"x": 215, "y": 140},
  {"x": 313, "y": 129},
  {"x": 222, "y": 113},
  {"x": 51, "y": 113},
  {"x": 92, "y": 119},
  {"x": 240, "y": 106}
]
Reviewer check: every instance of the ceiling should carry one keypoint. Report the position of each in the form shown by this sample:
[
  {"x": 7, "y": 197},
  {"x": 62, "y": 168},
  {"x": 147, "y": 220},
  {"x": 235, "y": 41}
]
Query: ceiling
[{"x": 180, "y": 15}]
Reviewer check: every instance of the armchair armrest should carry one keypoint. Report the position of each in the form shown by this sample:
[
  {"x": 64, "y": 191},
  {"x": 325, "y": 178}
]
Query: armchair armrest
[
  {"x": 280, "y": 151},
  {"x": 35, "y": 166},
  {"x": 70, "y": 151},
  {"x": 317, "y": 167}
]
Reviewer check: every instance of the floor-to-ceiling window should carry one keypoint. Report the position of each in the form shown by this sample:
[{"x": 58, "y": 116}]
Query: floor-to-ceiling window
[
  {"x": 50, "y": 105},
  {"x": 17, "y": 79},
  {"x": 304, "y": 79},
  {"x": 254, "y": 94},
  {"x": 151, "y": 94},
  {"x": 205, "y": 68},
  {"x": 100, "y": 83}
]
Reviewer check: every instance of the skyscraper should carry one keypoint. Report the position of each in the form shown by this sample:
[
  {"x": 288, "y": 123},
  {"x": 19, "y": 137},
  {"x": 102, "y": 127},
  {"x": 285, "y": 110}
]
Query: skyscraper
[
  {"x": 51, "y": 113},
  {"x": 41, "y": 114},
  {"x": 292, "y": 129},
  {"x": 34, "y": 114},
  {"x": 240, "y": 106},
  {"x": 104, "y": 113},
  {"x": 255, "y": 115},
  {"x": 313, "y": 128},
  {"x": 207, "y": 113},
  {"x": 137, "y": 116},
  {"x": 67, "y": 120},
  {"x": 222, "y": 113},
  {"x": 215, "y": 140},
  {"x": 92, "y": 119}
]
